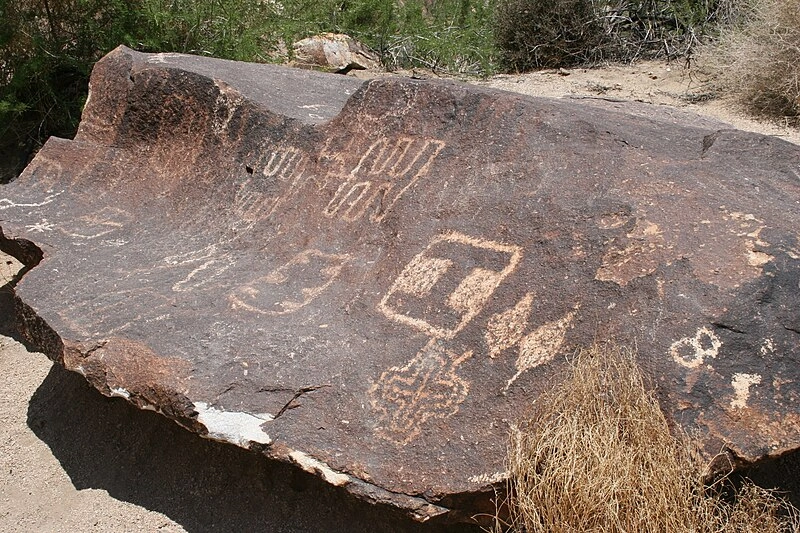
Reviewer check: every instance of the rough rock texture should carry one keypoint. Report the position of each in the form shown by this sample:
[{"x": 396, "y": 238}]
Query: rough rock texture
[
  {"x": 372, "y": 281},
  {"x": 334, "y": 52}
]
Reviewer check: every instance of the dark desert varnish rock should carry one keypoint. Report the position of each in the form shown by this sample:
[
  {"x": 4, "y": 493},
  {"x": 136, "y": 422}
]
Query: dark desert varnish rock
[{"x": 373, "y": 280}]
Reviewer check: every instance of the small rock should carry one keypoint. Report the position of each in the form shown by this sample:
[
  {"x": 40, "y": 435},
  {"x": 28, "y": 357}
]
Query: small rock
[{"x": 334, "y": 52}]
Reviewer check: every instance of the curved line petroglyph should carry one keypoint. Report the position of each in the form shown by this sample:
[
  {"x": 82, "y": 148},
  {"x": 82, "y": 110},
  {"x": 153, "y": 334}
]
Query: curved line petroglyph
[
  {"x": 291, "y": 286},
  {"x": 7, "y": 203}
]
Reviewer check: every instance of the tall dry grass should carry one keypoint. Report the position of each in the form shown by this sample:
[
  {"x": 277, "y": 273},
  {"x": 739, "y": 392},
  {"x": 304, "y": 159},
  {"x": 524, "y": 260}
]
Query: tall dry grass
[
  {"x": 758, "y": 60},
  {"x": 597, "y": 455}
]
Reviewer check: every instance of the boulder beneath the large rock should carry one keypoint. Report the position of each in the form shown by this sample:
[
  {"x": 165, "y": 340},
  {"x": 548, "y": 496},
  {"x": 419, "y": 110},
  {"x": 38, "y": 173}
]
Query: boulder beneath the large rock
[{"x": 372, "y": 280}]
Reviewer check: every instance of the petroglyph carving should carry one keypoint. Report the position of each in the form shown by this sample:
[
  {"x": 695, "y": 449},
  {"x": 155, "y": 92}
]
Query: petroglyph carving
[
  {"x": 541, "y": 346},
  {"x": 6, "y": 203},
  {"x": 92, "y": 226},
  {"x": 426, "y": 387},
  {"x": 212, "y": 264},
  {"x": 385, "y": 171},
  {"x": 637, "y": 258},
  {"x": 444, "y": 287},
  {"x": 291, "y": 286},
  {"x": 691, "y": 352},
  {"x": 103, "y": 314},
  {"x": 486, "y": 479},
  {"x": 228, "y": 101},
  {"x": 204, "y": 273},
  {"x": 41, "y": 226},
  {"x": 507, "y": 328},
  {"x": 741, "y": 387},
  {"x": 283, "y": 172},
  {"x": 767, "y": 347}
]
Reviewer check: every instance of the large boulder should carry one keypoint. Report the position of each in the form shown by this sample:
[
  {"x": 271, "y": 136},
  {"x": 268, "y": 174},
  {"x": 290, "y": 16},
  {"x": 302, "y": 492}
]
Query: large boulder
[{"x": 373, "y": 280}]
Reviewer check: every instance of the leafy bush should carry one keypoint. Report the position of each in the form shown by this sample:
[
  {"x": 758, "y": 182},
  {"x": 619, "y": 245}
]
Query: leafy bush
[
  {"x": 758, "y": 60},
  {"x": 46, "y": 52}
]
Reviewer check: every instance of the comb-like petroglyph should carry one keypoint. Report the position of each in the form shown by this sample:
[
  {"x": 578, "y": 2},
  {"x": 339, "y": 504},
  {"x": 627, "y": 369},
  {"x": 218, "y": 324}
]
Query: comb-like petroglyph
[
  {"x": 372, "y": 280},
  {"x": 385, "y": 171}
]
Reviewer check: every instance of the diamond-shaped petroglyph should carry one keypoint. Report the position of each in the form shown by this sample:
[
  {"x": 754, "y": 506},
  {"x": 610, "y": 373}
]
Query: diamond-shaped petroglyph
[{"x": 542, "y": 345}]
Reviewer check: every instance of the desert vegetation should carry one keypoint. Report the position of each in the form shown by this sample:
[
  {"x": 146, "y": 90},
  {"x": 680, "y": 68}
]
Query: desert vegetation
[
  {"x": 47, "y": 47},
  {"x": 596, "y": 454}
]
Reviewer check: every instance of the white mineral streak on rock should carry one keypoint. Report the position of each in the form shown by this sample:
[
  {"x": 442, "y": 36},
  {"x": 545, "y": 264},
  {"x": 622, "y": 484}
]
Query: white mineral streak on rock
[
  {"x": 314, "y": 466},
  {"x": 234, "y": 427},
  {"x": 120, "y": 392},
  {"x": 741, "y": 387},
  {"x": 486, "y": 479}
]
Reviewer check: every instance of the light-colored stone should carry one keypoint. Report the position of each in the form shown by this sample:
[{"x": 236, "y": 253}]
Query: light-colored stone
[{"x": 335, "y": 52}]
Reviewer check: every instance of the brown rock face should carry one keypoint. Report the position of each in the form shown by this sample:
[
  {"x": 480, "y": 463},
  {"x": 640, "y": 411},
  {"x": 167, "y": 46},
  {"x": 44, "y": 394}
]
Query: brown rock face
[{"x": 371, "y": 281}]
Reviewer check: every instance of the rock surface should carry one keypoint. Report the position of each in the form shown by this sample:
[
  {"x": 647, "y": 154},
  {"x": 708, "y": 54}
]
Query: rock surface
[
  {"x": 335, "y": 52},
  {"x": 371, "y": 281}
]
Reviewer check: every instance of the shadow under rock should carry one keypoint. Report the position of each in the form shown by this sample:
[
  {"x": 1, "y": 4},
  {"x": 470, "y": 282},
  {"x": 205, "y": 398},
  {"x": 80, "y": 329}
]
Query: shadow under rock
[{"x": 143, "y": 458}]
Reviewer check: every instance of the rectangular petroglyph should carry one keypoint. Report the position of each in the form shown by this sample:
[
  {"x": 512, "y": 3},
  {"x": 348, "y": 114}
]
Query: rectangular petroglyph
[
  {"x": 385, "y": 171},
  {"x": 445, "y": 286},
  {"x": 291, "y": 286}
]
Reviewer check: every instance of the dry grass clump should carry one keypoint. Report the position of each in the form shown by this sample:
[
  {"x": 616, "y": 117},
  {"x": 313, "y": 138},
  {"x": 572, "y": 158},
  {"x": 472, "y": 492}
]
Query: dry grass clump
[
  {"x": 597, "y": 456},
  {"x": 758, "y": 60}
]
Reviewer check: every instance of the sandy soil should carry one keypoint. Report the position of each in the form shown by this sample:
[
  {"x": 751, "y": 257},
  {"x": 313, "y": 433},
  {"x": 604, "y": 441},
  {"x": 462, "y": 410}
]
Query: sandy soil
[
  {"x": 73, "y": 460},
  {"x": 659, "y": 83}
]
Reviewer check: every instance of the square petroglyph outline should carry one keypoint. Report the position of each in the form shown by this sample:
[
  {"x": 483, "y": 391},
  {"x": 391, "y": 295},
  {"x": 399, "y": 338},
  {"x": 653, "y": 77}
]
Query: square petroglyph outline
[
  {"x": 391, "y": 164},
  {"x": 480, "y": 279},
  {"x": 278, "y": 276}
]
